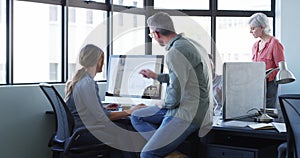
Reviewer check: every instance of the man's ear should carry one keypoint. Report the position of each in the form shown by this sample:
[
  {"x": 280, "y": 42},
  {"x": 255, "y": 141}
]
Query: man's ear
[{"x": 156, "y": 34}]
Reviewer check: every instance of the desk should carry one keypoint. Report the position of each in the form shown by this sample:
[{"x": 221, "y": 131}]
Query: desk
[
  {"x": 232, "y": 142},
  {"x": 240, "y": 142}
]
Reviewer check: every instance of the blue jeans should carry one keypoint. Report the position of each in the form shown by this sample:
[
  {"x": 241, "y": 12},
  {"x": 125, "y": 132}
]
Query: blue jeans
[{"x": 163, "y": 134}]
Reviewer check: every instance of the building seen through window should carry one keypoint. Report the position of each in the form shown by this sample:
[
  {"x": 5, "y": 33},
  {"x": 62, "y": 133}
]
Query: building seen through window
[
  {"x": 86, "y": 25},
  {"x": 89, "y": 17},
  {"x": 53, "y": 13},
  {"x": 135, "y": 3},
  {"x": 128, "y": 38},
  {"x": 53, "y": 71},
  {"x": 244, "y": 5},
  {"x": 37, "y": 42},
  {"x": 180, "y": 4},
  {"x": 234, "y": 40},
  {"x": 38, "y": 33}
]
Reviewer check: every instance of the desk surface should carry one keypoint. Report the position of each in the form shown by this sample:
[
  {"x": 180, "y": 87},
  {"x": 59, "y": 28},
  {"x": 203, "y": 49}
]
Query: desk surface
[
  {"x": 221, "y": 126},
  {"x": 249, "y": 132}
]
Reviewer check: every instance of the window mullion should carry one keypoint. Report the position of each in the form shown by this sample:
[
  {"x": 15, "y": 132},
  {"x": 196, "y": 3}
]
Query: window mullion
[
  {"x": 64, "y": 50},
  {"x": 9, "y": 42}
]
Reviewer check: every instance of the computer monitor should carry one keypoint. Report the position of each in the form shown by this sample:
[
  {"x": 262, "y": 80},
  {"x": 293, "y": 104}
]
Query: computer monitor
[
  {"x": 126, "y": 86},
  {"x": 243, "y": 89}
]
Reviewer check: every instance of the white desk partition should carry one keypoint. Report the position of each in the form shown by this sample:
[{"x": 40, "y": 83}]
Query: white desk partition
[{"x": 243, "y": 88}]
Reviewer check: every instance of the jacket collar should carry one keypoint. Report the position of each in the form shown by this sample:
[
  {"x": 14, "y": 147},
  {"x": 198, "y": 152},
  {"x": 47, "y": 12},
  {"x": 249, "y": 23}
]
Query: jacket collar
[{"x": 171, "y": 42}]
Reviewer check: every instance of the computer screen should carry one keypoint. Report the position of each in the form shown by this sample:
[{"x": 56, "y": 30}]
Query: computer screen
[
  {"x": 126, "y": 86},
  {"x": 243, "y": 89}
]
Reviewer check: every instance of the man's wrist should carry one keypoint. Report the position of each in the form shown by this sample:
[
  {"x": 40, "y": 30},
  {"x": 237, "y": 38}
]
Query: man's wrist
[
  {"x": 128, "y": 112},
  {"x": 155, "y": 76}
]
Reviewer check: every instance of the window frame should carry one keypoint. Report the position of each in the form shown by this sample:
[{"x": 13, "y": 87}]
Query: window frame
[{"x": 147, "y": 10}]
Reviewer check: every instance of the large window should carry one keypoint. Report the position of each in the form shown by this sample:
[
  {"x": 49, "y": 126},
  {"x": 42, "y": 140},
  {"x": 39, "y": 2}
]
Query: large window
[
  {"x": 244, "y": 5},
  {"x": 234, "y": 40},
  {"x": 85, "y": 26},
  {"x": 180, "y": 4},
  {"x": 194, "y": 27},
  {"x": 47, "y": 35},
  {"x": 2, "y": 42},
  {"x": 37, "y": 42},
  {"x": 128, "y": 33},
  {"x": 135, "y": 3}
]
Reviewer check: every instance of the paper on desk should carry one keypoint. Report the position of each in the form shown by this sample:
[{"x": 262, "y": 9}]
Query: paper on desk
[
  {"x": 261, "y": 126},
  {"x": 280, "y": 127},
  {"x": 235, "y": 123}
]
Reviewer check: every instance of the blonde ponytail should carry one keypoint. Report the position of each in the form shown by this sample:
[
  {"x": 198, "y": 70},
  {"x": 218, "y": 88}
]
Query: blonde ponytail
[{"x": 71, "y": 83}]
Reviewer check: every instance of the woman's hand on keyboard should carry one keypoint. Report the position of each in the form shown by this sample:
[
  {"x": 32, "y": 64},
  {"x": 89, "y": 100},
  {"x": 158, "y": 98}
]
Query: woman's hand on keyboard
[{"x": 112, "y": 107}]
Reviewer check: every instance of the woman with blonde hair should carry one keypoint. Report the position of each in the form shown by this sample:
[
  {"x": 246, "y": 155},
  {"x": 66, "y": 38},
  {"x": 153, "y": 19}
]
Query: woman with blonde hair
[{"x": 82, "y": 94}]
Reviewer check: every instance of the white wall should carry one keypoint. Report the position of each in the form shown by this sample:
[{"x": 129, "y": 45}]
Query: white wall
[
  {"x": 25, "y": 128},
  {"x": 289, "y": 33}
]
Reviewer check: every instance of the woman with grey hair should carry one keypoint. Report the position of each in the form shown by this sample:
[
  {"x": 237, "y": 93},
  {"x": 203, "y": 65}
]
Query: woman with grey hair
[{"x": 267, "y": 49}]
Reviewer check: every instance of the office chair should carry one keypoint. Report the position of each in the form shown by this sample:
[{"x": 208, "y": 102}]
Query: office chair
[
  {"x": 290, "y": 106},
  {"x": 64, "y": 139}
]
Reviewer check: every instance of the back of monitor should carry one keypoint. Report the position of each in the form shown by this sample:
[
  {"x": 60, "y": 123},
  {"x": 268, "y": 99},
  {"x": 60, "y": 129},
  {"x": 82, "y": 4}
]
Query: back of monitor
[{"x": 243, "y": 89}]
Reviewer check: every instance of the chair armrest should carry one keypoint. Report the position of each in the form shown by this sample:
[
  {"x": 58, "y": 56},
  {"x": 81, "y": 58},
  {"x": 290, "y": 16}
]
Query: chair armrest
[
  {"x": 80, "y": 131},
  {"x": 282, "y": 150},
  {"x": 54, "y": 141}
]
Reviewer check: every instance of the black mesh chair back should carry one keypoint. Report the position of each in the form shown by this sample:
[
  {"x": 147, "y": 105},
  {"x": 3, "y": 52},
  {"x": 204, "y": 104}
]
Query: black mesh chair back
[
  {"x": 290, "y": 106},
  {"x": 64, "y": 120}
]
